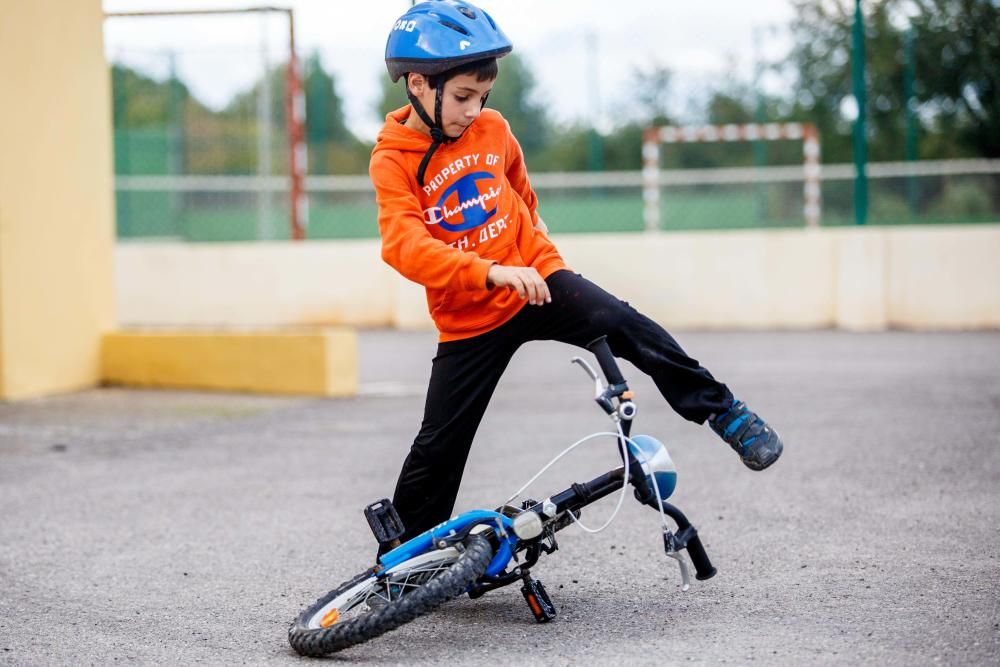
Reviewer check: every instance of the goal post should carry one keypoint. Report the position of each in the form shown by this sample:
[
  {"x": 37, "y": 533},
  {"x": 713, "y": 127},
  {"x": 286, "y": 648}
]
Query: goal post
[
  {"x": 295, "y": 116},
  {"x": 672, "y": 134}
]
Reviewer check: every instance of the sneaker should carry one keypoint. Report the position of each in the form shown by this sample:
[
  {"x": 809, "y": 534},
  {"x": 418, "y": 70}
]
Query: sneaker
[{"x": 758, "y": 444}]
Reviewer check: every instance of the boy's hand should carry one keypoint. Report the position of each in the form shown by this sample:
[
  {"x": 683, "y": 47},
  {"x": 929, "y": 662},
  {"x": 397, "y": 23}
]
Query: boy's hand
[{"x": 525, "y": 279}]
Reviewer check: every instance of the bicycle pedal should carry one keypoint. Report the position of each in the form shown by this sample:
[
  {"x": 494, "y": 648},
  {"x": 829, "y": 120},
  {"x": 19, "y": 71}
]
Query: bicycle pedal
[
  {"x": 385, "y": 522},
  {"x": 538, "y": 600}
]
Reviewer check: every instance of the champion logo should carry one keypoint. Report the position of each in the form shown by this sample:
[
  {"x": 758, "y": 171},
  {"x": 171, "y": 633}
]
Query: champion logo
[{"x": 471, "y": 205}]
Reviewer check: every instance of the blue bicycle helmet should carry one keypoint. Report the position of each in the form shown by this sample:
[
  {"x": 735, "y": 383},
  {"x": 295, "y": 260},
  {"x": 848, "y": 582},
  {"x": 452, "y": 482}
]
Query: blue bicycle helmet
[
  {"x": 433, "y": 38},
  {"x": 436, "y": 36}
]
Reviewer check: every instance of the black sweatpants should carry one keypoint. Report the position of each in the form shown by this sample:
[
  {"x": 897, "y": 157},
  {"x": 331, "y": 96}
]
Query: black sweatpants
[{"x": 466, "y": 372}]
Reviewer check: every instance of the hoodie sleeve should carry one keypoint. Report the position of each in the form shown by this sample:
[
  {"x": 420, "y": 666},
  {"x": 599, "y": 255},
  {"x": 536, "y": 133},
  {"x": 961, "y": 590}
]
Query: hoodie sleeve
[
  {"x": 517, "y": 174},
  {"x": 408, "y": 246}
]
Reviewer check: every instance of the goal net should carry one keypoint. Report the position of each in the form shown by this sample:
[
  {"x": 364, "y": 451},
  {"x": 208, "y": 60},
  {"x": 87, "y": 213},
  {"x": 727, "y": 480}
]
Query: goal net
[{"x": 209, "y": 124}]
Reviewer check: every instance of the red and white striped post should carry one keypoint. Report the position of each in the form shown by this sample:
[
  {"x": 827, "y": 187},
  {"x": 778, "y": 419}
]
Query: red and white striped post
[
  {"x": 811, "y": 194},
  {"x": 654, "y": 136},
  {"x": 651, "y": 179},
  {"x": 298, "y": 159}
]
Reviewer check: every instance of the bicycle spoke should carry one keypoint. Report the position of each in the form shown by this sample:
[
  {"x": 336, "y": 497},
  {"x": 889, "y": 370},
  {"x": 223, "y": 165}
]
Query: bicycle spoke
[{"x": 392, "y": 588}]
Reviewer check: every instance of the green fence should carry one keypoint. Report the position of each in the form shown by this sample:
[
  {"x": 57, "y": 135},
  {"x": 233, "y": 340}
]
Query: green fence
[{"x": 193, "y": 214}]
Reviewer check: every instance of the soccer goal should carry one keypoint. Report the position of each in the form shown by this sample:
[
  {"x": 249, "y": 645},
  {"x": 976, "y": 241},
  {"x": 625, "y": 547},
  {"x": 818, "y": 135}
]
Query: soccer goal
[
  {"x": 653, "y": 178},
  {"x": 209, "y": 124}
]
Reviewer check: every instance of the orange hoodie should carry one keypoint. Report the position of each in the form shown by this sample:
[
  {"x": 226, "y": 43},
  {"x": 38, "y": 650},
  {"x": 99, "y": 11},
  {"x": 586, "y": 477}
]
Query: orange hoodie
[{"x": 476, "y": 209}]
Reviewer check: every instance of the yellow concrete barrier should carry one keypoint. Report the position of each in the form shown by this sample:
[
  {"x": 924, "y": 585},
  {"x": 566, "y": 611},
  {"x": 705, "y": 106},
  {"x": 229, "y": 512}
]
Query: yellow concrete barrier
[
  {"x": 57, "y": 225},
  {"x": 313, "y": 363}
]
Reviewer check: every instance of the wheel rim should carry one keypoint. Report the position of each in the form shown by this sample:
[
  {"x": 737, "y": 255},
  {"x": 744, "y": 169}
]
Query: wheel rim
[{"x": 378, "y": 591}]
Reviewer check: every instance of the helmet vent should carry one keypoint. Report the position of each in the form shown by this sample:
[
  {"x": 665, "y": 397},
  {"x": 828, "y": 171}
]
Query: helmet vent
[
  {"x": 454, "y": 26},
  {"x": 467, "y": 13}
]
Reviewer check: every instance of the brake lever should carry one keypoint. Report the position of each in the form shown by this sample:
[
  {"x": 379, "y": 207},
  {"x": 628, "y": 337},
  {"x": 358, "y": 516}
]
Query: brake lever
[
  {"x": 670, "y": 547},
  {"x": 685, "y": 575},
  {"x": 589, "y": 370}
]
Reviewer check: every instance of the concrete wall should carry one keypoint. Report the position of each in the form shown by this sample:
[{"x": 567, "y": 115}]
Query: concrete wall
[
  {"x": 254, "y": 284},
  {"x": 862, "y": 279},
  {"x": 56, "y": 206}
]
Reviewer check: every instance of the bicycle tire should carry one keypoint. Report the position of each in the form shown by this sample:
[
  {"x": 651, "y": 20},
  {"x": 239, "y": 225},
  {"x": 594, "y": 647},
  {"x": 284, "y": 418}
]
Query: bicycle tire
[{"x": 308, "y": 640}]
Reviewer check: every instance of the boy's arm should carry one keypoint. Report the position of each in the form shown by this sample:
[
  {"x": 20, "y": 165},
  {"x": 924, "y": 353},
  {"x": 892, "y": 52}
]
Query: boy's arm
[{"x": 408, "y": 247}]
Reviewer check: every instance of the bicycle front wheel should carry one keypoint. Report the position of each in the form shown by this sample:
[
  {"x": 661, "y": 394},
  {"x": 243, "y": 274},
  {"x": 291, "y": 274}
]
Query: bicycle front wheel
[{"x": 369, "y": 605}]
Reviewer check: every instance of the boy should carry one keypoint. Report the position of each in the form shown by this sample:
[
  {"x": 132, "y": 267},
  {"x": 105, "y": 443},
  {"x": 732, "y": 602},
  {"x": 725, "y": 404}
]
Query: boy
[{"x": 458, "y": 215}]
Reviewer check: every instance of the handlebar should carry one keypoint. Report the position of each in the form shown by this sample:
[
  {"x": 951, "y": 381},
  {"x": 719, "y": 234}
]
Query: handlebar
[
  {"x": 687, "y": 538},
  {"x": 702, "y": 565},
  {"x": 600, "y": 349},
  {"x": 617, "y": 390}
]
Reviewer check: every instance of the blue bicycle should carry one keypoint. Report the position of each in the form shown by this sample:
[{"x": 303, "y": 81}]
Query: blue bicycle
[{"x": 482, "y": 550}]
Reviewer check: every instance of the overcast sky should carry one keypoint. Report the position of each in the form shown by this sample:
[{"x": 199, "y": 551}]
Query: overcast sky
[{"x": 700, "y": 42}]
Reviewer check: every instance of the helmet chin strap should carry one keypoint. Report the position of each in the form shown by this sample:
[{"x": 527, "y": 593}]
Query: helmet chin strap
[{"x": 438, "y": 136}]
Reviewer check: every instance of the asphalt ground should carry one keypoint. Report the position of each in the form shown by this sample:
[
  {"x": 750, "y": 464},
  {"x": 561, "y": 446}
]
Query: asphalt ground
[{"x": 190, "y": 528}]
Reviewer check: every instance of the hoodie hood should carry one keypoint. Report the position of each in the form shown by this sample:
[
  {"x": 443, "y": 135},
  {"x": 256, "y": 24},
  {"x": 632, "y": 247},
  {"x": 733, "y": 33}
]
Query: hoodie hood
[{"x": 396, "y": 136}]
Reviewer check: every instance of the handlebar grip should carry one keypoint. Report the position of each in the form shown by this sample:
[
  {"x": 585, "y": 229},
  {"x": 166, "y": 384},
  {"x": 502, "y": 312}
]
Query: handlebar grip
[
  {"x": 602, "y": 351},
  {"x": 702, "y": 565}
]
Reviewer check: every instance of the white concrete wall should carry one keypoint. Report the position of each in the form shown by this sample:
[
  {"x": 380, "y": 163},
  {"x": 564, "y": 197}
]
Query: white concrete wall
[
  {"x": 254, "y": 284},
  {"x": 853, "y": 278},
  {"x": 941, "y": 280}
]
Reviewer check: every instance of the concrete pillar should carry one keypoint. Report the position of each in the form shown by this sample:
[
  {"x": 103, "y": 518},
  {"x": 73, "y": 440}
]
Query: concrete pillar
[{"x": 56, "y": 197}]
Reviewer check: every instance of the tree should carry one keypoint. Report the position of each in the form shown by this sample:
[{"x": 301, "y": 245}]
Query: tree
[
  {"x": 333, "y": 148},
  {"x": 141, "y": 101},
  {"x": 957, "y": 46},
  {"x": 652, "y": 86},
  {"x": 821, "y": 63},
  {"x": 957, "y": 53},
  {"x": 324, "y": 108},
  {"x": 393, "y": 96},
  {"x": 568, "y": 149},
  {"x": 512, "y": 96}
]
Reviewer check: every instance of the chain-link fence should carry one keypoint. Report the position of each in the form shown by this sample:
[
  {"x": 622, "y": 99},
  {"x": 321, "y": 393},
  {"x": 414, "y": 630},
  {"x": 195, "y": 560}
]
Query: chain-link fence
[{"x": 242, "y": 208}]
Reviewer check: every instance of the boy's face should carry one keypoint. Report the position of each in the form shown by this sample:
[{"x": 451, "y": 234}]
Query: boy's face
[{"x": 461, "y": 100}]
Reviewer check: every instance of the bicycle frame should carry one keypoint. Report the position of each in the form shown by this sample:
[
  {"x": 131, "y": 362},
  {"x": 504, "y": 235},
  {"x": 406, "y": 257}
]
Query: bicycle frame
[
  {"x": 452, "y": 532},
  {"x": 613, "y": 399}
]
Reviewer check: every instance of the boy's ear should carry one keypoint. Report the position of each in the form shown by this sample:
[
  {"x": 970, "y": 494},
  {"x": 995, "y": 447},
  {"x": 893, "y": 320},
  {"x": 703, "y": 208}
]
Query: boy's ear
[{"x": 416, "y": 82}]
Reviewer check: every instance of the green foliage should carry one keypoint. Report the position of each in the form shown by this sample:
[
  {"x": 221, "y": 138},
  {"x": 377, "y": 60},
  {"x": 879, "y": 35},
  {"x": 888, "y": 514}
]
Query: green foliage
[
  {"x": 957, "y": 75},
  {"x": 198, "y": 140},
  {"x": 957, "y": 88},
  {"x": 963, "y": 200},
  {"x": 512, "y": 96},
  {"x": 958, "y": 70},
  {"x": 324, "y": 109},
  {"x": 393, "y": 96},
  {"x": 652, "y": 90},
  {"x": 568, "y": 150},
  {"x": 623, "y": 147},
  {"x": 889, "y": 207},
  {"x": 141, "y": 101}
]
